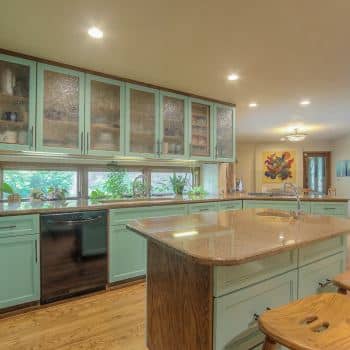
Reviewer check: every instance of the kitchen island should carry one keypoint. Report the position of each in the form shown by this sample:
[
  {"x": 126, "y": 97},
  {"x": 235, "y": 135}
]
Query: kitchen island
[{"x": 210, "y": 275}]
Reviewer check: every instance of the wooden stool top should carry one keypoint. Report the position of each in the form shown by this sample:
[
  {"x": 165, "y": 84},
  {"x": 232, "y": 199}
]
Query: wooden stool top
[
  {"x": 319, "y": 322},
  {"x": 343, "y": 280}
]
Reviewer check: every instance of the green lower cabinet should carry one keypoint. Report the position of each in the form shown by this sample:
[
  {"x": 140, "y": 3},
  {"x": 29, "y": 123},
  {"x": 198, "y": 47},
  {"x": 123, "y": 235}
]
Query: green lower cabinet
[
  {"x": 230, "y": 205},
  {"x": 330, "y": 208},
  {"x": 19, "y": 270},
  {"x": 275, "y": 204},
  {"x": 127, "y": 249},
  {"x": 236, "y": 314},
  {"x": 315, "y": 278}
]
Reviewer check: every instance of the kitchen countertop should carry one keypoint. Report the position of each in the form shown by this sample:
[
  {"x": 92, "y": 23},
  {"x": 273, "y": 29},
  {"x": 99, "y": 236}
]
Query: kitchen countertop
[
  {"x": 84, "y": 204},
  {"x": 236, "y": 237}
]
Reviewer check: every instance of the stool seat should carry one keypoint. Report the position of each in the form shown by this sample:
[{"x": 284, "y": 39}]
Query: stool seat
[
  {"x": 318, "y": 322},
  {"x": 342, "y": 281}
]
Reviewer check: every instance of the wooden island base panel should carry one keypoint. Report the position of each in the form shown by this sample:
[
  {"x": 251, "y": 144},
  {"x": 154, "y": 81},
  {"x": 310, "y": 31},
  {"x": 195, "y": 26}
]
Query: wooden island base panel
[
  {"x": 211, "y": 275},
  {"x": 180, "y": 297}
]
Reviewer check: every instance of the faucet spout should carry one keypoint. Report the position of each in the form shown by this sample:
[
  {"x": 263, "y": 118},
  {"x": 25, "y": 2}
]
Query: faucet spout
[{"x": 295, "y": 191}]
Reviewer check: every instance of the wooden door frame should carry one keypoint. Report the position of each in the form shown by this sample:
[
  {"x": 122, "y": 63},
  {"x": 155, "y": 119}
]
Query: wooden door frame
[{"x": 327, "y": 155}]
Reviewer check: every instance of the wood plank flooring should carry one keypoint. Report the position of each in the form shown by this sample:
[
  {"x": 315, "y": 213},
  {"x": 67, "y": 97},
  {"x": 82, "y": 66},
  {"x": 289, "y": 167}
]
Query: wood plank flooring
[{"x": 113, "y": 320}]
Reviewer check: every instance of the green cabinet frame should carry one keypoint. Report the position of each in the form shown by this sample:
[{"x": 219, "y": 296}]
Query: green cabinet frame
[
  {"x": 31, "y": 108},
  {"x": 186, "y": 123},
  {"x": 88, "y": 150},
  {"x": 212, "y": 129},
  {"x": 128, "y": 152},
  {"x": 225, "y": 159},
  {"x": 19, "y": 270},
  {"x": 40, "y": 109}
]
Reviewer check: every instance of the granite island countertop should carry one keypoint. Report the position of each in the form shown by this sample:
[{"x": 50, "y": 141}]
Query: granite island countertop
[
  {"x": 28, "y": 207},
  {"x": 236, "y": 237}
]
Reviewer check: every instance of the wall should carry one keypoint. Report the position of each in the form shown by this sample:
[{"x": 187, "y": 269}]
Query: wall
[
  {"x": 341, "y": 152},
  {"x": 249, "y": 166}
]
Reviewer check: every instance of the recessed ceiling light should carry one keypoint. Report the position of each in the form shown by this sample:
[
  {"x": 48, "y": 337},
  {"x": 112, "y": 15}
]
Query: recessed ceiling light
[
  {"x": 233, "y": 77},
  {"x": 253, "y": 105},
  {"x": 305, "y": 102},
  {"x": 95, "y": 32}
]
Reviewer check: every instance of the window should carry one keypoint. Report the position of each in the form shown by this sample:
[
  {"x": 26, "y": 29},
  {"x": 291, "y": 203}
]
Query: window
[
  {"x": 111, "y": 183},
  {"x": 24, "y": 181},
  {"x": 161, "y": 185}
]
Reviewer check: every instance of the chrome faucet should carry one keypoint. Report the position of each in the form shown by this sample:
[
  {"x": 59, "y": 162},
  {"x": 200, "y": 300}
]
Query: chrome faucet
[
  {"x": 295, "y": 190},
  {"x": 140, "y": 186}
]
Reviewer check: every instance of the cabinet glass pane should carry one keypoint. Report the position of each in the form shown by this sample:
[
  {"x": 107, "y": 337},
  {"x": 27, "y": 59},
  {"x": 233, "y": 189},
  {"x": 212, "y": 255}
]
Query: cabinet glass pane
[
  {"x": 61, "y": 110},
  {"x": 14, "y": 103},
  {"x": 224, "y": 132},
  {"x": 142, "y": 121},
  {"x": 105, "y": 116},
  {"x": 173, "y": 126},
  {"x": 200, "y": 130}
]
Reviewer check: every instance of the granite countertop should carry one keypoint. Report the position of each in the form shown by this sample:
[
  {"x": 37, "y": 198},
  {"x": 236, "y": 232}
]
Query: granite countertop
[
  {"x": 236, "y": 237},
  {"x": 84, "y": 204}
]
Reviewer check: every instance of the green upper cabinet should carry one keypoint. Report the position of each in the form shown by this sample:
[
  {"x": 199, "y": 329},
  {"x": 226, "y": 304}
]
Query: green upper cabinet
[
  {"x": 201, "y": 129},
  {"x": 142, "y": 121},
  {"x": 60, "y": 110},
  {"x": 224, "y": 133},
  {"x": 173, "y": 126},
  {"x": 104, "y": 116},
  {"x": 17, "y": 103}
]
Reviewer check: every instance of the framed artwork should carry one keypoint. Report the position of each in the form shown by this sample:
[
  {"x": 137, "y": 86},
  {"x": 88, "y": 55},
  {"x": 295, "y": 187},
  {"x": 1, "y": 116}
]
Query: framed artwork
[
  {"x": 279, "y": 167},
  {"x": 343, "y": 168}
]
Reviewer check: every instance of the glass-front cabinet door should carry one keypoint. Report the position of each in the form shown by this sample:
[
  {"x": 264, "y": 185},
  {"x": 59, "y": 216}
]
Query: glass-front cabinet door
[
  {"x": 142, "y": 116},
  {"x": 104, "y": 122},
  {"x": 173, "y": 119},
  {"x": 201, "y": 129},
  {"x": 224, "y": 133},
  {"x": 17, "y": 103},
  {"x": 60, "y": 110}
]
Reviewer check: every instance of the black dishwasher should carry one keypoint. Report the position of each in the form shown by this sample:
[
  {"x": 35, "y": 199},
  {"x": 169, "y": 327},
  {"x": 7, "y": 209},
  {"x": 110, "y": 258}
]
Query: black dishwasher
[{"x": 73, "y": 254}]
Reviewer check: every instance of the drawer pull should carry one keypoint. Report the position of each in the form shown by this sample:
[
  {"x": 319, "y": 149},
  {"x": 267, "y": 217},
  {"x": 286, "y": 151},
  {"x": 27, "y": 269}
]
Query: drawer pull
[
  {"x": 7, "y": 227},
  {"x": 325, "y": 283},
  {"x": 329, "y": 208},
  {"x": 204, "y": 209}
]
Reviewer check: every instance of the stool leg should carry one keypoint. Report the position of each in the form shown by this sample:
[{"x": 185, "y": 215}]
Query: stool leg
[
  {"x": 269, "y": 344},
  {"x": 342, "y": 291}
]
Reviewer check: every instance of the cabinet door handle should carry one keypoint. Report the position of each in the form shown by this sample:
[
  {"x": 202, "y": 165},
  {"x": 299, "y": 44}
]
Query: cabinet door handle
[
  {"x": 329, "y": 208},
  {"x": 36, "y": 251},
  {"x": 256, "y": 316},
  {"x": 82, "y": 142},
  {"x": 325, "y": 283},
  {"x": 190, "y": 149},
  {"x": 87, "y": 142},
  {"x": 7, "y": 227},
  {"x": 31, "y": 137},
  {"x": 216, "y": 151},
  {"x": 204, "y": 209}
]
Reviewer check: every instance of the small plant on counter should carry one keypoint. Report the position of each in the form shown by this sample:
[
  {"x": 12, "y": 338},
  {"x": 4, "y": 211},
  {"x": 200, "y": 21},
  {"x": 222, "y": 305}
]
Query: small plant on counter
[
  {"x": 98, "y": 194},
  {"x": 178, "y": 183},
  {"x": 55, "y": 193},
  {"x": 12, "y": 196},
  {"x": 37, "y": 195},
  {"x": 197, "y": 191}
]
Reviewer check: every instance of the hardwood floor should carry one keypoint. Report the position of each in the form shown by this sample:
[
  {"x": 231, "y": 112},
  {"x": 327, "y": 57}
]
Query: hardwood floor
[{"x": 113, "y": 320}]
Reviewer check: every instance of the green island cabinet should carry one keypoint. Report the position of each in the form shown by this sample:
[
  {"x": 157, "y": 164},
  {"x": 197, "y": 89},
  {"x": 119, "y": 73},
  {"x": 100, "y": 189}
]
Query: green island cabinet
[
  {"x": 243, "y": 292},
  {"x": 127, "y": 250},
  {"x": 17, "y": 103},
  {"x": 19, "y": 260}
]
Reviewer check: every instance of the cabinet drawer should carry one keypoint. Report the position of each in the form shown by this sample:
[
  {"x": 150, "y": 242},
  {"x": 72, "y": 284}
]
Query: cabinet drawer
[
  {"x": 19, "y": 225},
  {"x": 275, "y": 204},
  {"x": 235, "y": 314},
  {"x": 126, "y": 214},
  {"x": 322, "y": 249},
  {"x": 230, "y": 278},
  {"x": 202, "y": 207},
  {"x": 312, "y": 277},
  {"x": 231, "y": 205},
  {"x": 329, "y": 208}
]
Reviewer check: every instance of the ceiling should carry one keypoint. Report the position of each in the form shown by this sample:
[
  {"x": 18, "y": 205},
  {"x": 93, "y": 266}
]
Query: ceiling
[{"x": 284, "y": 51}]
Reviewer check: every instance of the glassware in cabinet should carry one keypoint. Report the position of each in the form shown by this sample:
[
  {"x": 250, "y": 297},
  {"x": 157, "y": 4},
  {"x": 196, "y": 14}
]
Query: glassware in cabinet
[{"x": 225, "y": 140}]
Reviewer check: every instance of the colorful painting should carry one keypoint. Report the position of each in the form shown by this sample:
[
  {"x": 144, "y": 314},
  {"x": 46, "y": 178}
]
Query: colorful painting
[
  {"x": 279, "y": 167},
  {"x": 343, "y": 168}
]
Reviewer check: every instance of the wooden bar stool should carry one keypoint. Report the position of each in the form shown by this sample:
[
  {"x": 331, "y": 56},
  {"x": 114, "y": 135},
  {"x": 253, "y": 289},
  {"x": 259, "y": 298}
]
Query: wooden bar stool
[
  {"x": 319, "y": 322},
  {"x": 342, "y": 281}
]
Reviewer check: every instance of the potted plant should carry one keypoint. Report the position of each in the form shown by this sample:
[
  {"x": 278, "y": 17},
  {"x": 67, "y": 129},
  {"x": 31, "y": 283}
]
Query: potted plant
[
  {"x": 178, "y": 183},
  {"x": 12, "y": 195},
  {"x": 36, "y": 195},
  {"x": 197, "y": 191},
  {"x": 55, "y": 193}
]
